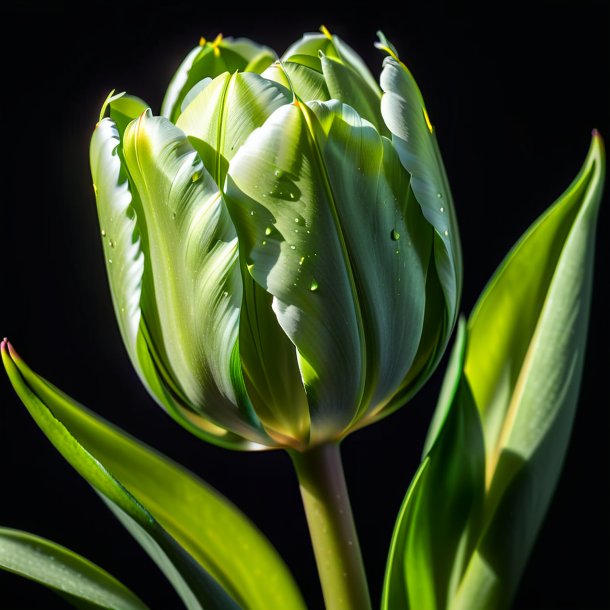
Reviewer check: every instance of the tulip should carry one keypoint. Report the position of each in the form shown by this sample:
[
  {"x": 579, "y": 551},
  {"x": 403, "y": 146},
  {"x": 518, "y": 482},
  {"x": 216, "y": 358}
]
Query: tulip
[
  {"x": 283, "y": 255},
  {"x": 281, "y": 246}
]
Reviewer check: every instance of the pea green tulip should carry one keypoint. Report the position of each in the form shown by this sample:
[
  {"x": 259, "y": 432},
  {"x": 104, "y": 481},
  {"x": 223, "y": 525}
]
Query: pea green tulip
[{"x": 281, "y": 244}]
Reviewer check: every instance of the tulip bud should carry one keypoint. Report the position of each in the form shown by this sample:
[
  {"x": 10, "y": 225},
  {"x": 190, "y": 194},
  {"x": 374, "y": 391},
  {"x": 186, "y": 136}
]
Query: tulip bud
[{"x": 281, "y": 246}]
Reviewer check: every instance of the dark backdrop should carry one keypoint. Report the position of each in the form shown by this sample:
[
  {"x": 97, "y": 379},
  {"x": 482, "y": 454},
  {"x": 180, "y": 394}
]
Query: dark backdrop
[{"x": 514, "y": 95}]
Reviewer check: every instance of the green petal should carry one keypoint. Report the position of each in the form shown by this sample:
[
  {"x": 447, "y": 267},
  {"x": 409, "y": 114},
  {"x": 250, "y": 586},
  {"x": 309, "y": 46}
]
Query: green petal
[
  {"x": 405, "y": 114},
  {"x": 79, "y": 581},
  {"x": 346, "y": 76},
  {"x": 323, "y": 211},
  {"x": 224, "y": 114},
  {"x": 191, "y": 249},
  {"x": 347, "y": 85},
  {"x": 166, "y": 507},
  {"x": 302, "y": 74},
  {"x": 499, "y": 436},
  {"x": 217, "y": 122},
  {"x": 209, "y": 60},
  {"x": 132, "y": 284}
]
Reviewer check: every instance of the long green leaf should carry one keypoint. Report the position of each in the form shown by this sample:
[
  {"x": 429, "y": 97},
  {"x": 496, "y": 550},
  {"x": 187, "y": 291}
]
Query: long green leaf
[
  {"x": 79, "y": 581},
  {"x": 324, "y": 211},
  {"x": 498, "y": 439},
  {"x": 172, "y": 512}
]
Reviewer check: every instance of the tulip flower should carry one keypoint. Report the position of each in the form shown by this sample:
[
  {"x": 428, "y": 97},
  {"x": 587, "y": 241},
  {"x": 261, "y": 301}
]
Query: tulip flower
[{"x": 281, "y": 247}]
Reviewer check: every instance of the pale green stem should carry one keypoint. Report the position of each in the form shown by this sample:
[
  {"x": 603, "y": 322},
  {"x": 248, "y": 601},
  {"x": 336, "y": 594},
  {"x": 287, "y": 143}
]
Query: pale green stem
[{"x": 331, "y": 527}]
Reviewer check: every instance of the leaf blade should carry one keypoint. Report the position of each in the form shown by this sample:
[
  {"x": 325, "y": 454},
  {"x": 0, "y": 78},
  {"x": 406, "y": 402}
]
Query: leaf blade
[
  {"x": 182, "y": 515},
  {"x": 82, "y": 582}
]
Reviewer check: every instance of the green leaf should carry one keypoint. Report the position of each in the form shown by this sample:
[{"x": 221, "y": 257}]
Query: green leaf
[
  {"x": 129, "y": 223},
  {"x": 328, "y": 227},
  {"x": 209, "y": 60},
  {"x": 430, "y": 542},
  {"x": 79, "y": 581},
  {"x": 498, "y": 439},
  {"x": 405, "y": 114},
  {"x": 187, "y": 526}
]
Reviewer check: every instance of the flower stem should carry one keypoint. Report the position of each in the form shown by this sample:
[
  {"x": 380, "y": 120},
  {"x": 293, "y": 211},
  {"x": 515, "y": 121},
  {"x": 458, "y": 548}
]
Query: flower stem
[{"x": 331, "y": 527}]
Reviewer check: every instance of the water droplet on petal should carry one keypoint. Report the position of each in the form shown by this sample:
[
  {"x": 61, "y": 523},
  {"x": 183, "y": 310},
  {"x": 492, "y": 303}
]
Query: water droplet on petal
[
  {"x": 396, "y": 251},
  {"x": 111, "y": 243},
  {"x": 439, "y": 195},
  {"x": 297, "y": 220},
  {"x": 110, "y": 261},
  {"x": 446, "y": 232},
  {"x": 174, "y": 215},
  {"x": 279, "y": 173},
  {"x": 264, "y": 242},
  {"x": 103, "y": 233},
  {"x": 268, "y": 231},
  {"x": 195, "y": 176},
  {"x": 302, "y": 260},
  {"x": 291, "y": 195},
  {"x": 395, "y": 235},
  {"x": 95, "y": 189},
  {"x": 293, "y": 247},
  {"x": 442, "y": 209},
  {"x": 251, "y": 212},
  {"x": 313, "y": 286}
]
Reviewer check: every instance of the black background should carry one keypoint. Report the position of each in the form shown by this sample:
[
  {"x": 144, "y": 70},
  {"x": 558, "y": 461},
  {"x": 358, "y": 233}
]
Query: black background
[{"x": 513, "y": 93}]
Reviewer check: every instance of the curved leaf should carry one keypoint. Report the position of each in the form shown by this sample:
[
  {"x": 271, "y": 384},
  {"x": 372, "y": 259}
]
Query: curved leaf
[
  {"x": 79, "y": 581},
  {"x": 166, "y": 507},
  {"x": 322, "y": 208},
  {"x": 210, "y": 59},
  {"x": 497, "y": 442}
]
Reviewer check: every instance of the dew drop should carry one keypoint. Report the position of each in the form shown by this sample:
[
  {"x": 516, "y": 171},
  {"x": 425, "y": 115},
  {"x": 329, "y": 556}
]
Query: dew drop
[
  {"x": 111, "y": 243},
  {"x": 291, "y": 195},
  {"x": 195, "y": 176},
  {"x": 293, "y": 247},
  {"x": 296, "y": 230},
  {"x": 264, "y": 242},
  {"x": 278, "y": 173},
  {"x": 313, "y": 286},
  {"x": 174, "y": 215},
  {"x": 103, "y": 233},
  {"x": 268, "y": 231},
  {"x": 110, "y": 261},
  {"x": 308, "y": 231},
  {"x": 439, "y": 195},
  {"x": 251, "y": 212},
  {"x": 396, "y": 251},
  {"x": 395, "y": 235},
  {"x": 297, "y": 220},
  {"x": 442, "y": 209},
  {"x": 302, "y": 260},
  {"x": 446, "y": 232},
  {"x": 95, "y": 189}
]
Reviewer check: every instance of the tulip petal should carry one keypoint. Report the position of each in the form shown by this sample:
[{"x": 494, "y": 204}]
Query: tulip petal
[
  {"x": 218, "y": 122},
  {"x": 129, "y": 272},
  {"x": 346, "y": 85},
  {"x": 192, "y": 259},
  {"x": 76, "y": 579},
  {"x": 497, "y": 441},
  {"x": 345, "y": 74},
  {"x": 405, "y": 114},
  {"x": 302, "y": 74},
  {"x": 210, "y": 60},
  {"x": 224, "y": 114},
  {"x": 167, "y": 508},
  {"x": 334, "y": 47},
  {"x": 320, "y": 202}
]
